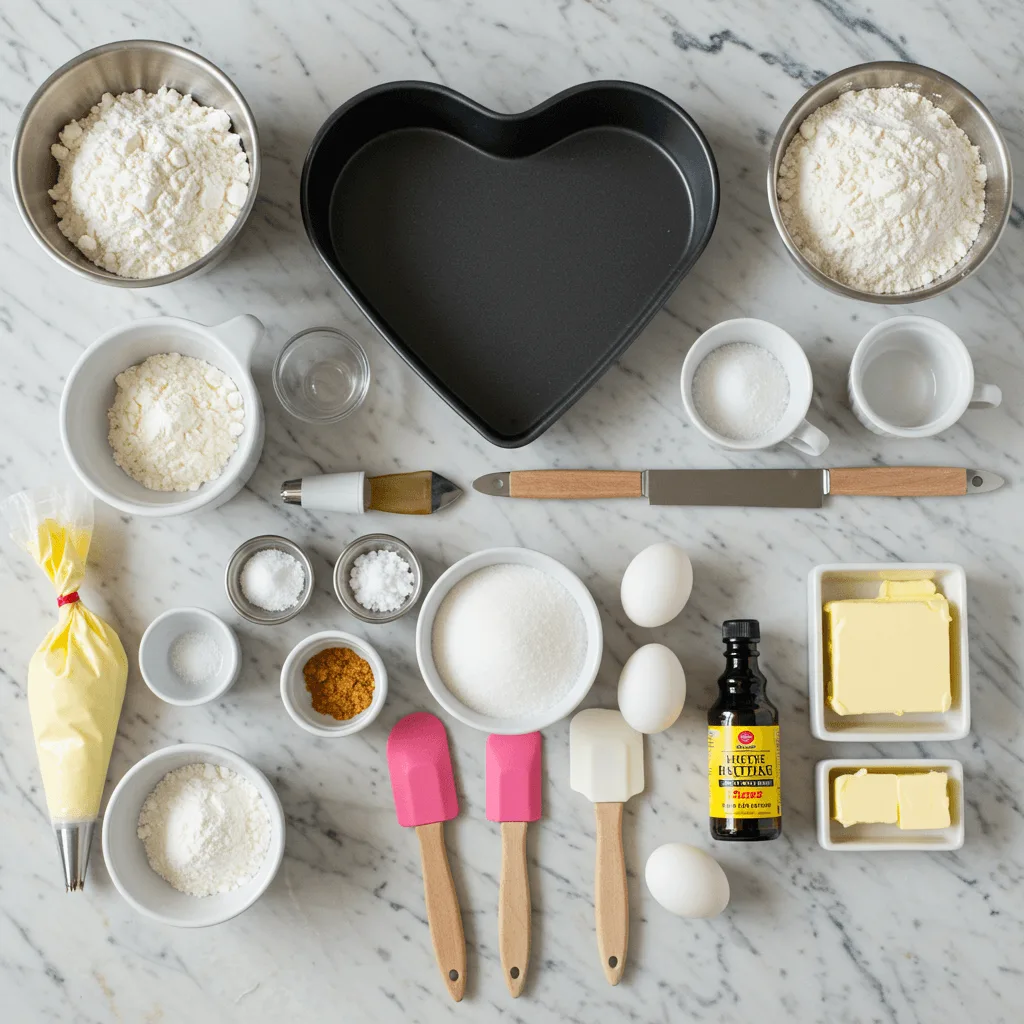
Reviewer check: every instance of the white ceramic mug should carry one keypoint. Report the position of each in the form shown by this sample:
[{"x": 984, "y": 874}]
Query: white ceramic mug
[
  {"x": 912, "y": 376},
  {"x": 792, "y": 427}
]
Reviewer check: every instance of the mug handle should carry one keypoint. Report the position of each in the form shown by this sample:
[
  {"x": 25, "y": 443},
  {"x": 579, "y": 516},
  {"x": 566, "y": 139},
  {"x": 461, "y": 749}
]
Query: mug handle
[
  {"x": 986, "y": 396},
  {"x": 808, "y": 439},
  {"x": 241, "y": 335}
]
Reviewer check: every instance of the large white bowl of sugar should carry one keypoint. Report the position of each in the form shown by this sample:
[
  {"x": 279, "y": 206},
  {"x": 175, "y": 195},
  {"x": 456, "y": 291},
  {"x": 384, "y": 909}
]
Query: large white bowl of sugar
[{"x": 509, "y": 640}]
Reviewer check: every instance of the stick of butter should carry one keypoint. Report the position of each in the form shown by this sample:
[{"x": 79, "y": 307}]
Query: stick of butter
[
  {"x": 890, "y": 654},
  {"x": 914, "y": 800}
]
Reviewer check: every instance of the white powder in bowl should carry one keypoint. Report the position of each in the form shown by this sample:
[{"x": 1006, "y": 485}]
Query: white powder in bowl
[
  {"x": 741, "y": 391},
  {"x": 273, "y": 580},
  {"x": 196, "y": 657},
  {"x": 509, "y": 640}
]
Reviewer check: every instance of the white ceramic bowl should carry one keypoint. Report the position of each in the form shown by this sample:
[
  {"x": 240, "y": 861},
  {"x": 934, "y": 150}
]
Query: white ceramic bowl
[
  {"x": 504, "y": 556},
  {"x": 90, "y": 390},
  {"x": 125, "y": 855},
  {"x": 296, "y": 697},
  {"x": 155, "y": 656},
  {"x": 880, "y": 837},
  {"x": 841, "y": 581}
]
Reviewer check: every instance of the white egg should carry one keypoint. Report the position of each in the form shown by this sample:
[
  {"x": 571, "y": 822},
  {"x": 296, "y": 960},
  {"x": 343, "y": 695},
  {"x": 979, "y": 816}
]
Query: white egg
[
  {"x": 652, "y": 688},
  {"x": 687, "y": 881},
  {"x": 657, "y": 584}
]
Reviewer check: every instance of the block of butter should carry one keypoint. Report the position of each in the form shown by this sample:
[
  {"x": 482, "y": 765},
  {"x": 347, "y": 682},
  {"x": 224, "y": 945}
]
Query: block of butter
[
  {"x": 913, "y": 800},
  {"x": 889, "y": 654}
]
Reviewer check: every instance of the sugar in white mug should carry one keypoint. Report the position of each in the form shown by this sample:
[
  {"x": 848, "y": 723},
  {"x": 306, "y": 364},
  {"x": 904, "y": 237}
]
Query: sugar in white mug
[
  {"x": 792, "y": 427},
  {"x": 912, "y": 376}
]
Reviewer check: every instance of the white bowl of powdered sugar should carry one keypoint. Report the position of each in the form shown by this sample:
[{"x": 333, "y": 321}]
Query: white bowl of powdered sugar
[
  {"x": 193, "y": 835},
  {"x": 509, "y": 640}
]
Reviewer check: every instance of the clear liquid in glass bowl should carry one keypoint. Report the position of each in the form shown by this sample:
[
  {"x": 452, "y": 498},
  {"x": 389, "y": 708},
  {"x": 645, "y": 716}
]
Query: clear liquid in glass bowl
[{"x": 322, "y": 375}]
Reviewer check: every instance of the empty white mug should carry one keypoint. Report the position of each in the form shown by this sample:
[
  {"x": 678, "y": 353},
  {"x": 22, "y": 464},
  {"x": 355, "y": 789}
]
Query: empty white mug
[
  {"x": 911, "y": 376},
  {"x": 792, "y": 426}
]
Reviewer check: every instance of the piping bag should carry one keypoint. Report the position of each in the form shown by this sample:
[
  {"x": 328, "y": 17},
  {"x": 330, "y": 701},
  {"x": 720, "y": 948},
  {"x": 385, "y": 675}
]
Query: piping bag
[{"x": 77, "y": 676}]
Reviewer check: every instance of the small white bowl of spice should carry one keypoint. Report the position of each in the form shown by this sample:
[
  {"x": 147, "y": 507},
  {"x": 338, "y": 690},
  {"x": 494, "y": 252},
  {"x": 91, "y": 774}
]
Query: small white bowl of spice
[
  {"x": 333, "y": 684},
  {"x": 269, "y": 580},
  {"x": 189, "y": 656},
  {"x": 378, "y": 578}
]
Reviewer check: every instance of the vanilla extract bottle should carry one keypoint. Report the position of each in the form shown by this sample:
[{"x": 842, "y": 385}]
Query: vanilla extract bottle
[{"x": 743, "y": 744}]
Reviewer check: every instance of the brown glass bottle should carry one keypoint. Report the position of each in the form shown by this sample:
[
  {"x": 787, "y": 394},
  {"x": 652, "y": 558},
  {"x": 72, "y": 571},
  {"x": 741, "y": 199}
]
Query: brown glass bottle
[{"x": 743, "y": 744}]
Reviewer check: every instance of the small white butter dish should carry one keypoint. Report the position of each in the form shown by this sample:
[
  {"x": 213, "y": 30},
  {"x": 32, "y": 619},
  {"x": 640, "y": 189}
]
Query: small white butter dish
[
  {"x": 861, "y": 580},
  {"x": 880, "y": 837}
]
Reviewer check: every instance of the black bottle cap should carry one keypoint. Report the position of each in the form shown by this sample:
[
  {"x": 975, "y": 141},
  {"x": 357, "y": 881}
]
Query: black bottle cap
[{"x": 741, "y": 629}]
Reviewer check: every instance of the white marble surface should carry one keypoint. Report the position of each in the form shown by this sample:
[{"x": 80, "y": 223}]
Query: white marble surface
[{"x": 341, "y": 933}]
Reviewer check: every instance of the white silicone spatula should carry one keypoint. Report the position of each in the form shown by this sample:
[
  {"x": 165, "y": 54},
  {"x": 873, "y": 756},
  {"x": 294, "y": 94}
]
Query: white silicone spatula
[{"x": 606, "y": 765}]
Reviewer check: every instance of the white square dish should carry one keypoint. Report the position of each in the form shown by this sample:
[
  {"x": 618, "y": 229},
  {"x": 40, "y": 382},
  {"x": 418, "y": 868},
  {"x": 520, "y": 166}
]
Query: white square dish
[
  {"x": 881, "y": 837},
  {"x": 853, "y": 580}
]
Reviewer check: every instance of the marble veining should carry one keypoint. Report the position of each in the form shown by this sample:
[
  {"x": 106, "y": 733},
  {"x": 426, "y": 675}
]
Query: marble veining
[{"x": 341, "y": 934}]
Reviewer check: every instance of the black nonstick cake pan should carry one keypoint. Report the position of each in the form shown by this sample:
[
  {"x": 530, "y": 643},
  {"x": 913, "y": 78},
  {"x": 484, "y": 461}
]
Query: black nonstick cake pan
[{"x": 510, "y": 258}]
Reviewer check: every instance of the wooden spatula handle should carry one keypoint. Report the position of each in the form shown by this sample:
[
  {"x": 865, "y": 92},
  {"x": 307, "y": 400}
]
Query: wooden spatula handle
[
  {"x": 611, "y": 896},
  {"x": 514, "y": 906},
  {"x": 443, "y": 912},
  {"x": 899, "y": 481},
  {"x": 575, "y": 483}
]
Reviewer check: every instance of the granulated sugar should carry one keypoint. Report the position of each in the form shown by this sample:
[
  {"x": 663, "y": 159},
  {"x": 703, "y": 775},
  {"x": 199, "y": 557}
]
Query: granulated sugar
[
  {"x": 509, "y": 640},
  {"x": 740, "y": 391}
]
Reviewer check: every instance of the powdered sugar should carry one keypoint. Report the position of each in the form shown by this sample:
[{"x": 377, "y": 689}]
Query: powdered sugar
[
  {"x": 148, "y": 182},
  {"x": 882, "y": 191},
  {"x": 175, "y": 422},
  {"x": 206, "y": 829}
]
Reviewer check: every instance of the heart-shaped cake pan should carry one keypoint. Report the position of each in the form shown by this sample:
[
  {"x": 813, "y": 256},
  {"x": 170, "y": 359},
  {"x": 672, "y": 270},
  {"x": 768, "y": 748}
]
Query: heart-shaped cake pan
[{"x": 510, "y": 258}]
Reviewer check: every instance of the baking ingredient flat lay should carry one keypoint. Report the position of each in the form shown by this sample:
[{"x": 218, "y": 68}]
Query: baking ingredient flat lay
[
  {"x": 509, "y": 640},
  {"x": 606, "y": 765},
  {"x": 882, "y": 191},
  {"x": 205, "y": 829},
  {"x": 382, "y": 580},
  {"x": 340, "y": 682},
  {"x": 652, "y": 689},
  {"x": 744, "y": 777},
  {"x": 741, "y": 391},
  {"x": 912, "y": 800},
  {"x": 148, "y": 182},
  {"x": 273, "y": 580},
  {"x": 656, "y": 584},
  {"x": 175, "y": 422},
  {"x": 77, "y": 675},
  {"x": 423, "y": 786},
  {"x": 687, "y": 881},
  {"x": 890, "y": 654},
  {"x": 195, "y": 657}
]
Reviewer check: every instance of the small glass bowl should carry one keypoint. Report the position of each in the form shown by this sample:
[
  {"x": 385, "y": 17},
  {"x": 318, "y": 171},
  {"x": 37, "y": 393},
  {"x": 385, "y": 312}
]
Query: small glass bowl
[
  {"x": 343, "y": 570},
  {"x": 233, "y": 579},
  {"x": 321, "y": 375}
]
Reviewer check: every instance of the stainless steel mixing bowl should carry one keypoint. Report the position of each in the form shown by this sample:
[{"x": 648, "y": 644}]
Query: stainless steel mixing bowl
[
  {"x": 72, "y": 90},
  {"x": 966, "y": 110}
]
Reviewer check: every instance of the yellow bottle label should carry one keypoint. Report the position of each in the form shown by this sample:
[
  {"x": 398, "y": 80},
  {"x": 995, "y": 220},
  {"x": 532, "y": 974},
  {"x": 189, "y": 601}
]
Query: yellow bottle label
[{"x": 743, "y": 771}]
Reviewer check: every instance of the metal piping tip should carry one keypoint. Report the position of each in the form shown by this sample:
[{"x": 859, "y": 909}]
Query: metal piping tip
[
  {"x": 979, "y": 481},
  {"x": 442, "y": 492},
  {"x": 74, "y": 841},
  {"x": 291, "y": 492}
]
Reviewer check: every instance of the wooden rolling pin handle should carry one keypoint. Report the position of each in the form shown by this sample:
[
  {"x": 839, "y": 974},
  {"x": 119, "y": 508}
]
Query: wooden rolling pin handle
[
  {"x": 899, "y": 481},
  {"x": 611, "y": 896},
  {"x": 575, "y": 483},
  {"x": 443, "y": 913}
]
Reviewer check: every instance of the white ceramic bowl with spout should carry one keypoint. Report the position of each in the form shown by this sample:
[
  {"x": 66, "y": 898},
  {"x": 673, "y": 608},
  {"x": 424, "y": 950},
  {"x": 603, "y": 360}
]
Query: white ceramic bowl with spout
[{"x": 90, "y": 390}]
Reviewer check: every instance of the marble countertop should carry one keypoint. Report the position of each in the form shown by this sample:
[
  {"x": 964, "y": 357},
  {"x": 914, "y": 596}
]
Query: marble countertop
[{"x": 341, "y": 934}]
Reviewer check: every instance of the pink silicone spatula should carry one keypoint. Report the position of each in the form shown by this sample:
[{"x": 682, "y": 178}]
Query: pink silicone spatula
[
  {"x": 513, "y": 798},
  {"x": 424, "y": 789}
]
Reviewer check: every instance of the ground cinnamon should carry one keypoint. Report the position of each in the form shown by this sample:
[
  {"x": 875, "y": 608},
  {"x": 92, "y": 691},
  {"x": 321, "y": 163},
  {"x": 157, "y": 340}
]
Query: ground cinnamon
[{"x": 339, "y": 682}]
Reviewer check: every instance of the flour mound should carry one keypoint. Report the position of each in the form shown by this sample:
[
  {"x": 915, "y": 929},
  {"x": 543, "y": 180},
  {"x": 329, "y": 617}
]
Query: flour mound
[
  {"x": 205, "y": 828},
  {"x": 148, "y": 182},
  {"x": 882, "y": 191}
]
